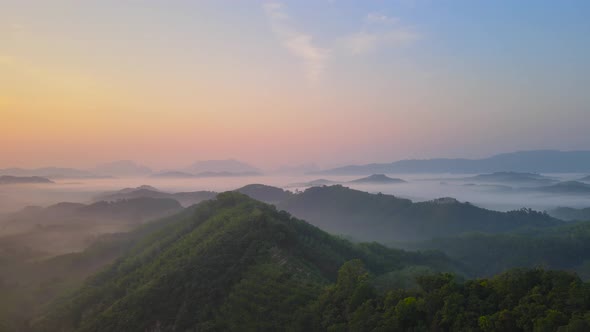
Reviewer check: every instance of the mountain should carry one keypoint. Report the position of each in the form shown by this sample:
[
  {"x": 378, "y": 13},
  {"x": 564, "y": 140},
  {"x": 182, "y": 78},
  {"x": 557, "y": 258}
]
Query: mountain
[
  {"x": 314, "y": 183},
  {"x": 131, "y": 210},
  {"x": 570, "y": 214},
  {"x": 8, "y": 179},
  {"x": 122, "y": 168},
  {"x": 386, "y": 218},
  {"x": 129, "y": 190},
  {"x": 31, "y": 280},
  {"x": 512, "y": 178},
  {"x": 70, "y": 227},
  {"x": 377, "y": 179},
  {"x": 184, "y": 198},
  {"x": 264, "y": 193},
  {"x": 227, "y": 165},
  {"x": 173, "y": 175},
  {"x": 567, "y": 187},
  {"x": 51, "y": 173},
  {"x": 320, "y": 182},
  {"x": 235, "y": 264},
  {"x": 539, "y": 161},
  {"x": 565, "y": 247},
  {"x": 585, "y": 179}
]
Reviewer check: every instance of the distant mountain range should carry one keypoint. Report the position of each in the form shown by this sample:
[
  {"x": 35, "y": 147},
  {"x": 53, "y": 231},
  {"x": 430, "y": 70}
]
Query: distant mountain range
[
  {"x": 512, "y": 178},
  {"x": 69, "y": 227},
  {"x": 567, "y": 187},
  {"x": 52, "y": 173},
  {"x": 571, "y": 214},
  {"x": 377, "y": 179},
  {"x": 371, "y": 179},
  {"x": 173, "y": 175},
  {"x": 8, "y": 179},
  {"x": 386, "y": 218},
  {"x": 128, "y": 168},
  {"x": 370, "y": 217},
  {"x": 539, "y": 161},
  {"x": 184, "y": 198}
]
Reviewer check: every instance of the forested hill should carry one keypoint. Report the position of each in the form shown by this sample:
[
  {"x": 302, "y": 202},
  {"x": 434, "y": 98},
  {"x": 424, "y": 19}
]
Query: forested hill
[
  {"x": 386, "y": 218},
  {"x": 566, "y": 247},
  {"x": 571, "y": 214},
  {"x": 235, "y": 264}
]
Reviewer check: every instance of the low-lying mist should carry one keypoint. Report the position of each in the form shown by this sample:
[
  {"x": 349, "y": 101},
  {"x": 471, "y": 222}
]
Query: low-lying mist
[{"x": 417, "y": 187}]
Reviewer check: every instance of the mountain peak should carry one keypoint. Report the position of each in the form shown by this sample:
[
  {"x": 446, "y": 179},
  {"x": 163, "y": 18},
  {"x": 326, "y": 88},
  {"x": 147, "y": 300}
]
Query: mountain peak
[{"x": 378, "y": 179}]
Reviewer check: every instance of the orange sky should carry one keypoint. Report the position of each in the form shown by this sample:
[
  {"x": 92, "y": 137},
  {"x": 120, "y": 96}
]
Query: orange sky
[{"x": 168, "y": 84}]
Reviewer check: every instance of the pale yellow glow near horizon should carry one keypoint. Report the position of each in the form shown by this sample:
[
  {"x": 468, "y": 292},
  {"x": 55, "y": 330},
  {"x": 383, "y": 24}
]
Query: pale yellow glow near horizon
[{"x": 166, "y": 84}]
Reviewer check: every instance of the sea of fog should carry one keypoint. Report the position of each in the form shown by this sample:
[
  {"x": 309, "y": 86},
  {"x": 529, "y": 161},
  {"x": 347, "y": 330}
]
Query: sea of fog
[{"x": 419, "y": 187}]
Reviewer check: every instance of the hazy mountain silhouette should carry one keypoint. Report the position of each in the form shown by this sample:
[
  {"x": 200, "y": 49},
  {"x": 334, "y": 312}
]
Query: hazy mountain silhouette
[
  {"x": 386, "y": 218},
  {"x": 586, "y": 179},
  {"x": 540, "y": 161},
  {"x": 184, "y": 198},
  {"x": 173, "y": 175},
  {"x": 133, "y": 210},
  {"x": 313, "y": 183},
  {"x": 264, "y": 193},
  {"x": 512, "y": 178},
  {"x": 571, "y": 214},
  {"x": 70, "y": 227},
  {"x": 8, "y": 179},
  {"x": 377, "y": 179},
  {"x": 51, "y": 172},
  {"x": 567, "y": 187}
]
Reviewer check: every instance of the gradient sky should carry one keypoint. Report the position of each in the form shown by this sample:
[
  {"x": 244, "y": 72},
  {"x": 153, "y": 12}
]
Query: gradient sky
[{"x": 166, "y": 83}]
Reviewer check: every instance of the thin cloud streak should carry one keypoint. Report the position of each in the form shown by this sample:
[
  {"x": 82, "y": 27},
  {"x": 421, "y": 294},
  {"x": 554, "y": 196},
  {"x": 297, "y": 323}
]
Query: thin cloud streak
[
  {"x": 299, "y": 44},
  {"x": 379, "y": 31}
]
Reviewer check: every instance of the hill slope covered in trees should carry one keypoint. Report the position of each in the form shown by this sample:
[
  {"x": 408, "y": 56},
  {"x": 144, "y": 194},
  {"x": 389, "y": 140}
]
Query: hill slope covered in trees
[
  {"x": 199, "y": 273},
  {"x": 386, "y": 218}
]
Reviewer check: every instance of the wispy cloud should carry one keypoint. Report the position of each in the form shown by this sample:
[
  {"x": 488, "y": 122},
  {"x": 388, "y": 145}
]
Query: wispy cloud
[
  {"x": 379, "y": 31},
  {"x": 380, "y": 18},
  {"x": 298, "y": 43}
]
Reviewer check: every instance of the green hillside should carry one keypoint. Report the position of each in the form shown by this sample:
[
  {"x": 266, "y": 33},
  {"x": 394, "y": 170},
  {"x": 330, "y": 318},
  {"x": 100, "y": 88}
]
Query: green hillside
[
  {"x": 28, "y": 282},
  {"x": 571, "y": 214},
  {"x": 235, "y": 262},
  {"x": 386, "y": 218},
  {"x": 566, "y": 247}
]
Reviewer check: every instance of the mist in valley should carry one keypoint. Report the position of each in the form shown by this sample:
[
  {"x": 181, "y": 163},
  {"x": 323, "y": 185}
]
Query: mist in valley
[{"x": 418, "y": 187}]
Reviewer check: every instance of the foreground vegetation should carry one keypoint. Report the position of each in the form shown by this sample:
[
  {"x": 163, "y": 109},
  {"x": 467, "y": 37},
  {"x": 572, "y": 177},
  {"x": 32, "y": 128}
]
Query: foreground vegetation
[
  {"x": 566, "y": 247},
  {"x": 238, "y": 264},
  {"x": 519, "y": 300}
]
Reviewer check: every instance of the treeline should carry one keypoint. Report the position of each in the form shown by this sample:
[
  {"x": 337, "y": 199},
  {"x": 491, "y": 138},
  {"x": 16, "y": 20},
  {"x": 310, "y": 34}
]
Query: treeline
[
  {"x": 518, "y": 300},
  {"x": 565, "y": 247}
]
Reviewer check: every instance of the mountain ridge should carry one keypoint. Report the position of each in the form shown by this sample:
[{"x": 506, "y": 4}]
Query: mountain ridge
[
  {"x": 536, "y": 161},
  {"x": 198, "y": 273}
]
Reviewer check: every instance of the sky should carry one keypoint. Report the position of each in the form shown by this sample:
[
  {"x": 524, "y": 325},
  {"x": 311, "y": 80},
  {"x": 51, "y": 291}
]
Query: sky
[{"x": 273, "y": 83}]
